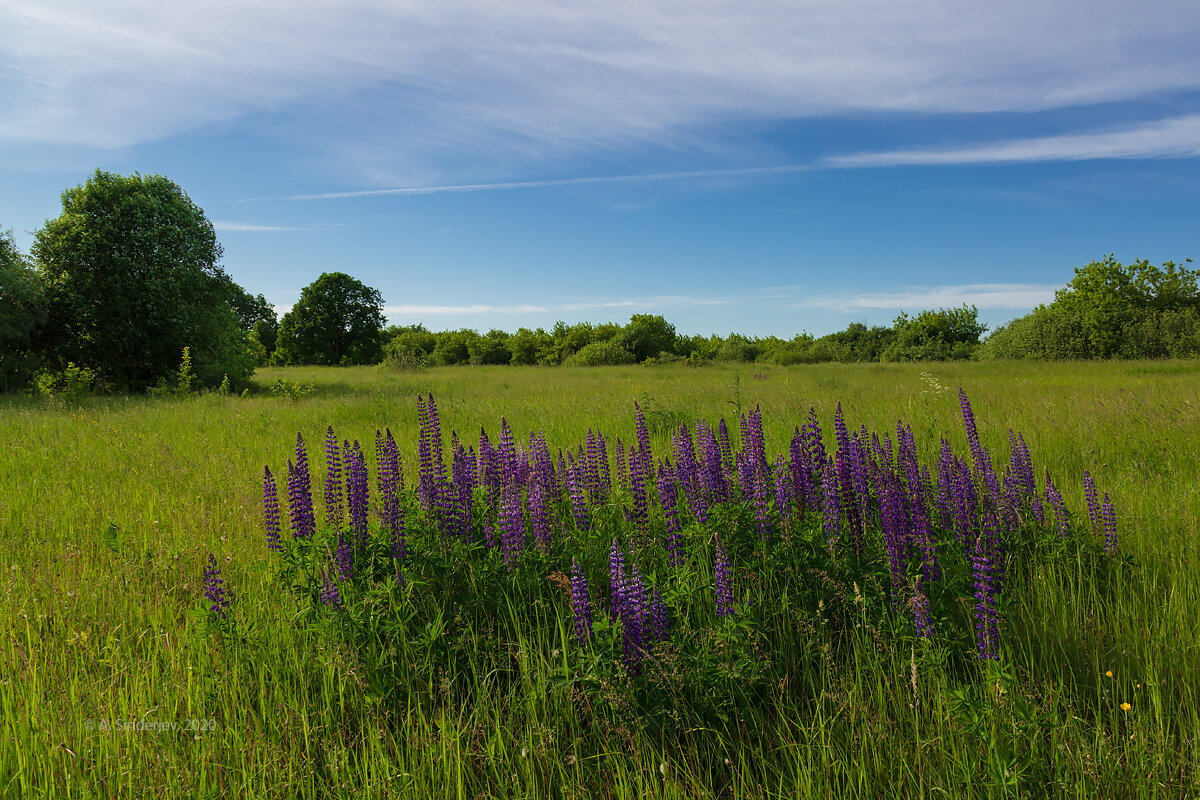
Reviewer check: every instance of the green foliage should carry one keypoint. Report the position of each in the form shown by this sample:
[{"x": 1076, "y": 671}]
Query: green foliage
[
  {"x": 22, "y": 315},
  {"x": 71, "y": 382},
  {"x": 131, "y": 276},
  {"x": 947, "y": 334},
  {"x": 647, "y": 335},
  {"x": 490, "y": 349},
  {"x": 114, "y": 501},
  {"x": 187, "y": 378},
  {"x": 531, "y": 347},
  {"x": 605, "y": 353},
  {"x": 337, "y": 321},
  {"x": 291, "y": 390},
  {"x": 1109, "y": 310}
]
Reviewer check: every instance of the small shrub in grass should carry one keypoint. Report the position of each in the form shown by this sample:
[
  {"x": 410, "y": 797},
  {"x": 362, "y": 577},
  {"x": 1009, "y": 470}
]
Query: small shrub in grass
[{"x": 689, "y": 588}]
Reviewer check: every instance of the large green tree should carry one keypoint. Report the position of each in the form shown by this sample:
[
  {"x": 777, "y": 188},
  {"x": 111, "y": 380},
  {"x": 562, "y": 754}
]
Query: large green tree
[
  {"x": 22, "y": 314},
  {"x": 131, "y": 274},
  {"x": 338, "y": 320}
]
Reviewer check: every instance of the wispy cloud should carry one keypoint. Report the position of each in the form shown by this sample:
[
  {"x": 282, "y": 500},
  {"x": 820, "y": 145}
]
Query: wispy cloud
[
  {"x": 528, "y": 80},
  {"x": 222, "y": 225},
  {"x": 1177, "y": 137},
  {"x": 919, "y": 298},
  {"x": 646, "y": 303},
  {"x": 416, "y": 310},
  {"x": 509, "y": 185}
]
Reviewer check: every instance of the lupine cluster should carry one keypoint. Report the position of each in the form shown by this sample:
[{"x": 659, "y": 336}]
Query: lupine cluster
[
  {"x": 868, "y": 496},
  {"x": 271, "y": 510},
  {"x": 215, "y": 591}
]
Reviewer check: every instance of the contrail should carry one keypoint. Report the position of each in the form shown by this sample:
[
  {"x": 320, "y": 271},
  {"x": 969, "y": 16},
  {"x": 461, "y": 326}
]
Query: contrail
[{"x": 404, "y": 191}]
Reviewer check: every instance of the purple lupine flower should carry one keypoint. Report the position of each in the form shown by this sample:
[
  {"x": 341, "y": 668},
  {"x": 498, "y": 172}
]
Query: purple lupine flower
[
  {"x": 1108, "y": 516},
  {"x": 947, "y": 471},
  {"x": 616, "y": 580},
  {"x": 622, "y": 468},
  {"x": 784, "y": 489},
  {"x": 981, "y": 462},
  {"x": 1093, "y": 502},
  {"x": 330, "y": 595},
  {"x": 895, "y": 533},
  {"x": 643, "y": 442},
  {"x": 271, "y": 509},
  {"x": 712, "y": 477},
  {"x": 752, "y": 441},
  {"x": 575, "y": 490},
  {"x": 634, "y": 617},
  {"x": 390, "y": 482},
  {"x": 722, "y": 580},
  {"x": 637, "y": 489},
  {"x": 333, "y": 480},
  {"x": 966, "y": 504},
  {"x": 581, "y": 604},
  {"x": 512, "y": 526},
  {"x": 816, "y": 444},
  {"x": 539, "y": 515},
  {"x": 215, "y": 590},
  {"x": 659, "y": 616},
  {"x": 922, "y": 528},
  {"x": 1055, "y": 499},
  {"x": 831, "y": 504},
  {"x": 845, "y": 466},
  {"x": 507, "y": 453},
  {"x": 602, "y": 466},
  {"x": 801, "y": 490},
  {"x": 358, "y": 493},
  {"x": 668, "y": 499},
  {"x": 593, "y": 466},
  {"x": 922, "y": 617},
  {"x": 300, "y": 502},
  {"x": 344, "y": 558},
  {"x": 760, "y": 496},
  {"x": 984, "y": 563},
  {"x": 726, "y": 449}
]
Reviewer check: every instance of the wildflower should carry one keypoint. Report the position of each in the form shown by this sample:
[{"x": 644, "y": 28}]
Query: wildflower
[
  {"x": 1126, "y": 706},
  {"x": 669, "y": 499},
  {"x": 271, "y": 510},
  {"x": 329, "y": 591},
  {"x": 333, "y": 479},
  {"x": 723, "y": 579},
  {"x": 299, "y": 490},
  {"x": 1108, "y": 674},
  {"x": 214, "y": 587},
  {"x": 512, "y": 527},
  {"x": 1108, "y": 516},
  {"x": 581, "y": 604}
]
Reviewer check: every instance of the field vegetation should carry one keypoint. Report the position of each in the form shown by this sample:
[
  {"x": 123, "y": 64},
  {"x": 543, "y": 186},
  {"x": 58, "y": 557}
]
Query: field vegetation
[{"x": 143, "y": 589}]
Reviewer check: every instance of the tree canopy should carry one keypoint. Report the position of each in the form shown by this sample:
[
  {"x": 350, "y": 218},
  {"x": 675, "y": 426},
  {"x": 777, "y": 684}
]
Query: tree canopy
[
  {"x": 338, "y": 320},
  {"x": 131, "y": 274},
  {"x": 22, "y": 314}
]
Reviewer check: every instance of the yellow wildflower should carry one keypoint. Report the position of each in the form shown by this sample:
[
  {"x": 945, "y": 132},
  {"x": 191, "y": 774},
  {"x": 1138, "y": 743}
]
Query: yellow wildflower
[
  {"x": 1125, "y": 706},
  {"x": 1108, "y": 674}
]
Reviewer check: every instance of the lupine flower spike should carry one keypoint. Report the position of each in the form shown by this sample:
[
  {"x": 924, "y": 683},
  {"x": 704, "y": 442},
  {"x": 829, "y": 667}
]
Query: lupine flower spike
[{"x": 214, "y": 588}]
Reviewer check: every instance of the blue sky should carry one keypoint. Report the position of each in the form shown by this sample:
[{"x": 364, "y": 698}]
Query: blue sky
[{"x": 767, "y": 168}]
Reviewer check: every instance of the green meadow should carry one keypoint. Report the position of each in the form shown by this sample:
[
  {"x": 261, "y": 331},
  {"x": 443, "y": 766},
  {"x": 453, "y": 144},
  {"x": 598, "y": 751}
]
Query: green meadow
[{"x": 116, "y": 682}]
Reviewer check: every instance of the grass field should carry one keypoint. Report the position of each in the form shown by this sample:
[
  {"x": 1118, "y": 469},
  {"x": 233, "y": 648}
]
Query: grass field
[{"x": 109, "y": 507}]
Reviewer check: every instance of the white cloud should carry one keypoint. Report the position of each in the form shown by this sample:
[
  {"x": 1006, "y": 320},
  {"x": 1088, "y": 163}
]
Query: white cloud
[
  {"x": 646, "y": 303},
  {"x": 920, "y": 298},
  {"x": 432, "y": 310},
  {"x": 403, "y": 89},
  {"x": 1177, "y": 137}
]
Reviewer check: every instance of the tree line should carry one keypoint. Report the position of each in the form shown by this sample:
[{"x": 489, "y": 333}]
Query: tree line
[{"x": 123, "y": 291}]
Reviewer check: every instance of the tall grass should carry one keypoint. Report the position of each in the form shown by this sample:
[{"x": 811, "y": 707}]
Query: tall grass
[{"x": 109, "y": 507}]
